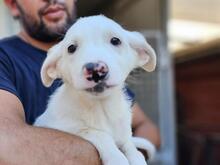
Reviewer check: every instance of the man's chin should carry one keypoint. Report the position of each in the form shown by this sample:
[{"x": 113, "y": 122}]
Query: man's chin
[
  {"x": 60, "y": 19},
  {"x": 58, "y": 25},
  {"x": 53, "y": 32}
]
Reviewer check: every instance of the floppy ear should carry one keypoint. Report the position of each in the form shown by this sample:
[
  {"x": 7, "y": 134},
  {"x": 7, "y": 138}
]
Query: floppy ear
[
  {"x": 49, "y": 70},
  {"x": 146, "y": 54}
]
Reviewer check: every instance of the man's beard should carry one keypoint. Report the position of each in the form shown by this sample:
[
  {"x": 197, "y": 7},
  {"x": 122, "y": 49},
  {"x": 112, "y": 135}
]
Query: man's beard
[{"x": 40, "y": 31}]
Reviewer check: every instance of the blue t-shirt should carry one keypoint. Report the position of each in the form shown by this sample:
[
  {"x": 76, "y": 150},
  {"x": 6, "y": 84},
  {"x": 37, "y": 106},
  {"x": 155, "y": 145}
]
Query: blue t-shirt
[{"x": 20, "y": 65}]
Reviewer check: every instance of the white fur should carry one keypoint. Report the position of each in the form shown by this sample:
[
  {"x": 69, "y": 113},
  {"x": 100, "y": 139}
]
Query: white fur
[{"x": 103, "y": 118}]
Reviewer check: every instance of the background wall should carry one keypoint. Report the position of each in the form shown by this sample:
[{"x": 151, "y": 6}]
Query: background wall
[
  {"x": 198, "y": 10},
  {"x": 154, "y": 91},
  {"x": 8, "y": 25}
]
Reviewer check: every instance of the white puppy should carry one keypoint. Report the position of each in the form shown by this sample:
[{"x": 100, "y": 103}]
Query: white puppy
[{"x": 93, "y": 60}]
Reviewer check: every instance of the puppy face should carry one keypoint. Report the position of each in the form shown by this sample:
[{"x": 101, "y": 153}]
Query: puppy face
[{"x": 97, "y": 55}]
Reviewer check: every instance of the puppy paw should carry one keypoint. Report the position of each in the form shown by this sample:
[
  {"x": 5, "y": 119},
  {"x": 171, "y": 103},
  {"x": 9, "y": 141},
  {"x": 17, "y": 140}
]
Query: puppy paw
[
  {"x": 137, "y": 159},
  {"x": 116, "y": 159},
  {"x": 145, "y": 145}
]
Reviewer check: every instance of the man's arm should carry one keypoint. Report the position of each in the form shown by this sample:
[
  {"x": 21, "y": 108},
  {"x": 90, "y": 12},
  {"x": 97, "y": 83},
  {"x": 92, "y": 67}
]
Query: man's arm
[
  {"x": 144, "y": 127},
  {"x": 23, "y": 144}
]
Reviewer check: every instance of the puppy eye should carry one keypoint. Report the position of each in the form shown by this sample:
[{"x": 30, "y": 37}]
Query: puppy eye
[
  {"x": 115, "y": 41},
  {"x": 72, "y": 48}
]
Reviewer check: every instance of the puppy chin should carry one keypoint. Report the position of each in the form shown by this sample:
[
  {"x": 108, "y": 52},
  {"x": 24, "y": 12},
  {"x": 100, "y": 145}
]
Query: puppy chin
[
  {"x": 100, "y": 88},
  {"x": 98, "y": 95},
  {"x": 97, "y": 90}
]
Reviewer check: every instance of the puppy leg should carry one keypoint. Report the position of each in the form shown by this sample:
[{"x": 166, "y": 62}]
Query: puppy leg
[
  {"x": 108, "y": 151},
  {"x": 133, "y": 155}
]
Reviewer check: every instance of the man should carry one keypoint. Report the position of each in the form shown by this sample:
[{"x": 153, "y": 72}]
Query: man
[{"x": 23, "y": 97}]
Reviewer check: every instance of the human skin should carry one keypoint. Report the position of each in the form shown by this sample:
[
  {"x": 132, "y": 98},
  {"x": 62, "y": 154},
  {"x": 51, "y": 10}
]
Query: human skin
[{"x": 21, "y": 143}]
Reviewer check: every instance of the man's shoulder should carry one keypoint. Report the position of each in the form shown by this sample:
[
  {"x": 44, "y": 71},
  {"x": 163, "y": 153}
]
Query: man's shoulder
[
  {"x": 6, "y": 46},
  {"x": 8, "y": 40},
  {"x": 14, "y": 47},
  {"x": 8, "y": 43}
]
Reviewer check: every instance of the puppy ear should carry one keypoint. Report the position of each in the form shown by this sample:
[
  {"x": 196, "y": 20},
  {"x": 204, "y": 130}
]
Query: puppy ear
[
  {"x": 49, "y": 70},
  {"x": 146, "y": 54}
]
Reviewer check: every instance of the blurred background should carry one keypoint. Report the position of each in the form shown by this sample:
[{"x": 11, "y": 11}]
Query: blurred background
[{"x": 183, "y": 95}]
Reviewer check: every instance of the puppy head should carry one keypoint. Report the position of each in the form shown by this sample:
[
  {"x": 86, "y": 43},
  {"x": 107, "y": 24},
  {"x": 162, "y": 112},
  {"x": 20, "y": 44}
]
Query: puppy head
[{"x": 97, "y": 55}]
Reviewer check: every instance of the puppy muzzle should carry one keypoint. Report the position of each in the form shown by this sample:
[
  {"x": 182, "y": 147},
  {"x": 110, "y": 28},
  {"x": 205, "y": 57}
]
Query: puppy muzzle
[{"x": 96, "y": 72}]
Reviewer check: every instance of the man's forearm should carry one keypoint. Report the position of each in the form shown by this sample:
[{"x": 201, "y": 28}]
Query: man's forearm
[{"x": 32, "y": 145}]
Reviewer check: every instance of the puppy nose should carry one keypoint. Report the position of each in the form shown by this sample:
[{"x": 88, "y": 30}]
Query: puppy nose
[{"x": 95, "y": 71}]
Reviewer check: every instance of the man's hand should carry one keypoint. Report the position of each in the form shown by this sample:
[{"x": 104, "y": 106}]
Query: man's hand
[
  {"x": 143, "y": 127},
  {"x": 23, "y": 144}
]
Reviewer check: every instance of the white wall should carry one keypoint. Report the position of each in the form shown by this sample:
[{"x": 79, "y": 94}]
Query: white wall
[{"x": 8, "y": 26}]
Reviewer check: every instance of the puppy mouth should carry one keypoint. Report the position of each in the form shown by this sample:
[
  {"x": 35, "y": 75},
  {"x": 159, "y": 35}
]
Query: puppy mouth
[{"x": 99, "y": 88}]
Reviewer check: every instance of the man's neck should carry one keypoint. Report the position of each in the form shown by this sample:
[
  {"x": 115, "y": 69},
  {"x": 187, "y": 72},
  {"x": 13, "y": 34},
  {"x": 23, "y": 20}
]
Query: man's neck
[{"x": 36, "y": 43}]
